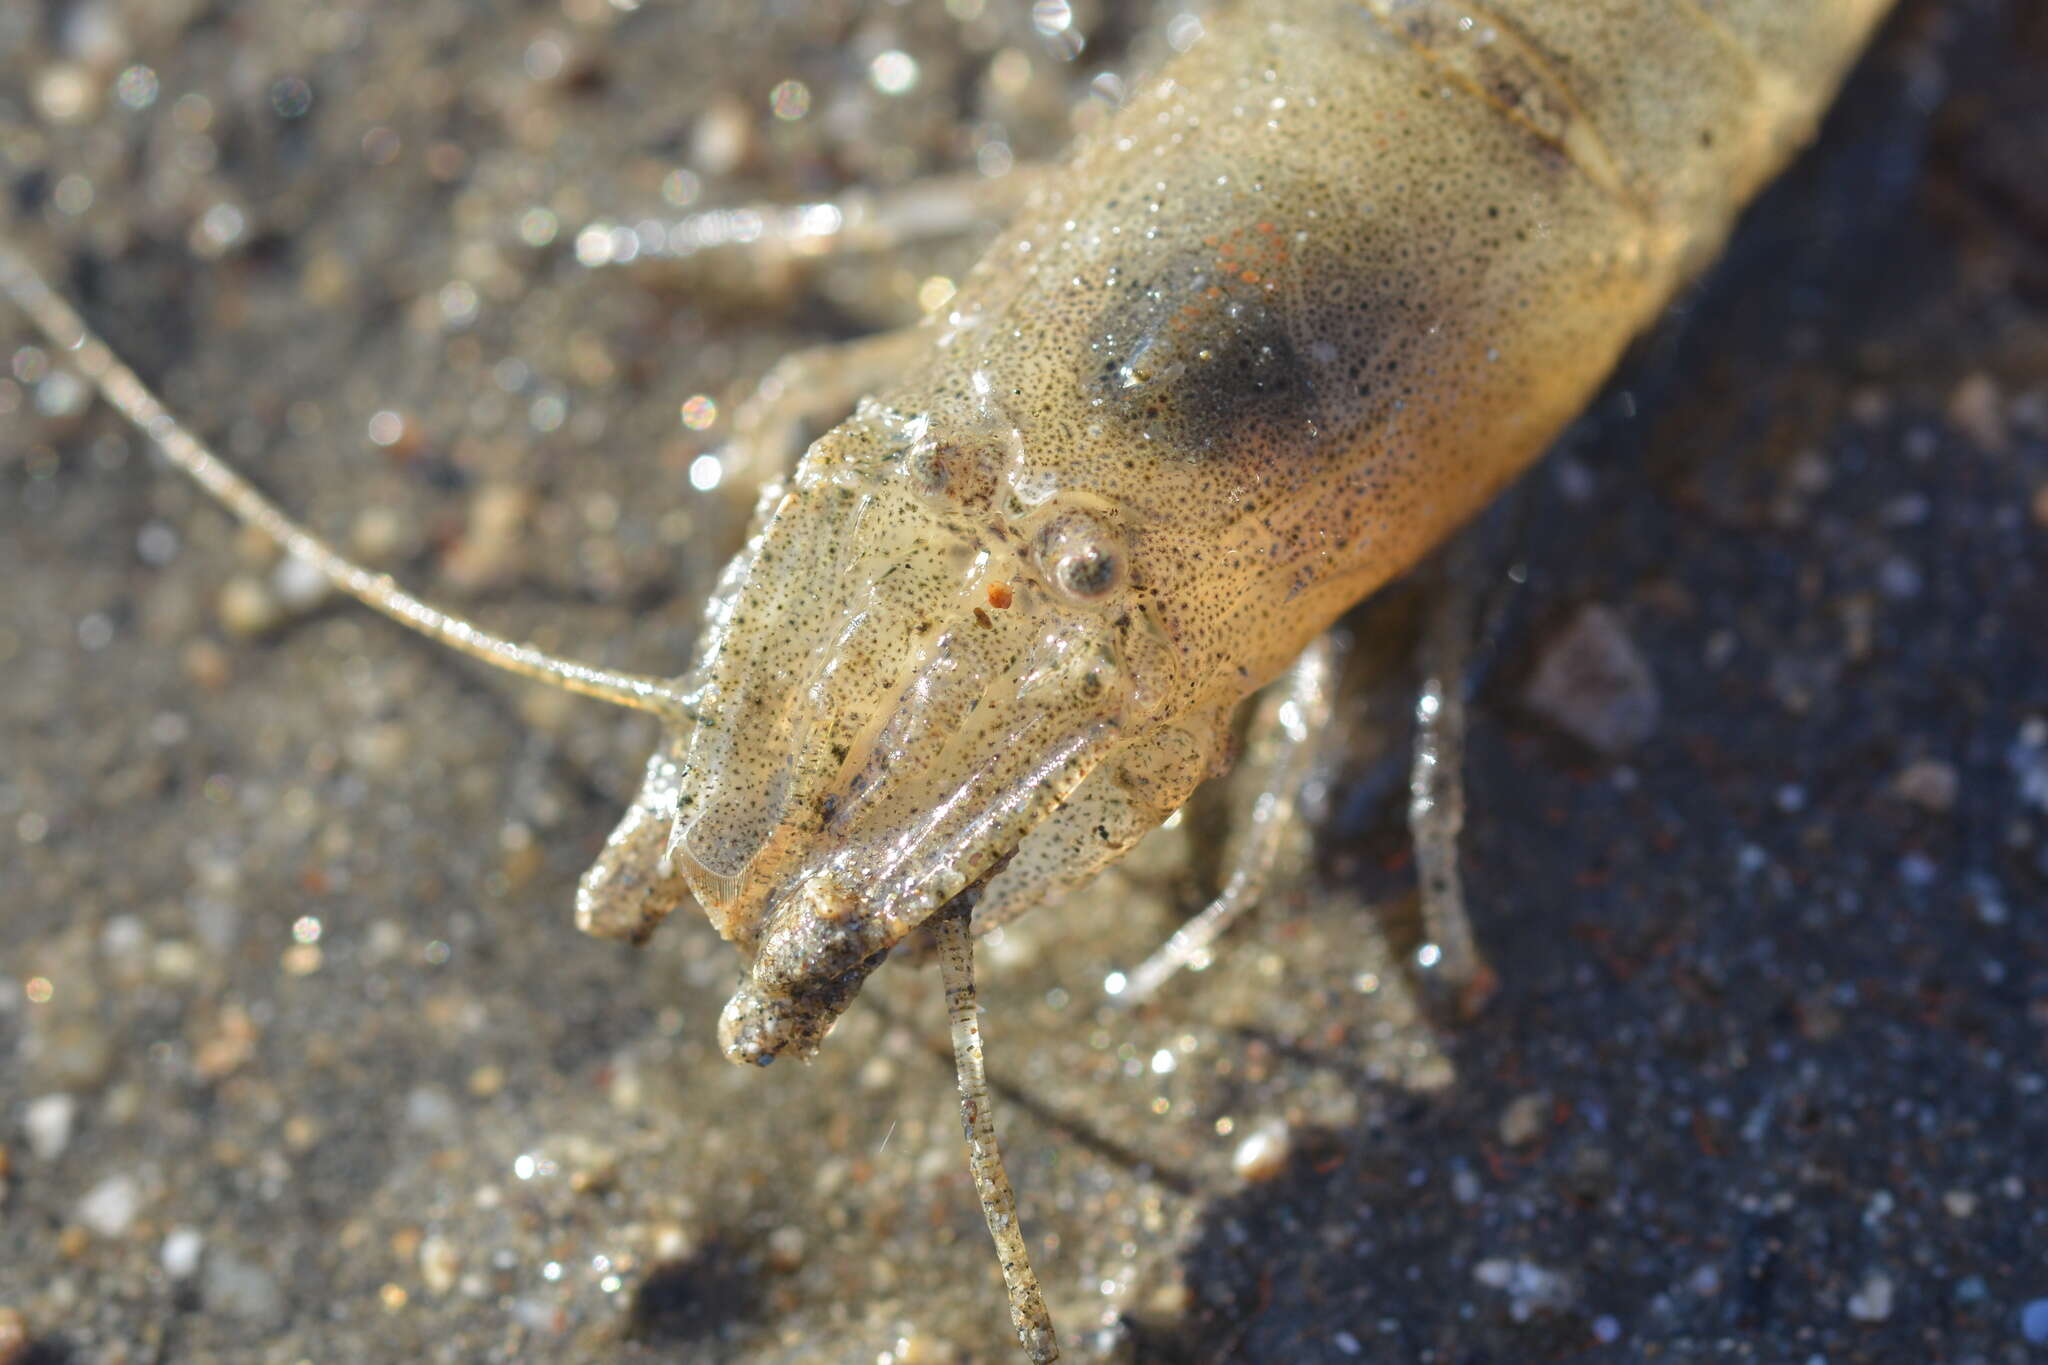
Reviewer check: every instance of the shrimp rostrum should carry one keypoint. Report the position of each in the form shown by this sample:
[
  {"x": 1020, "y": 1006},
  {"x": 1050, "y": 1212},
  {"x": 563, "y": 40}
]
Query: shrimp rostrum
[{"x": 1324, "y": 285}]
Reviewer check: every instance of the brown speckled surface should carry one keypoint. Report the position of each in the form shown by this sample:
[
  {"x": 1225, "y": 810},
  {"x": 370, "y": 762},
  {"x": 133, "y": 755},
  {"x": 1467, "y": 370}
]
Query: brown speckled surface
[{"x": 1768, "y": 1075}]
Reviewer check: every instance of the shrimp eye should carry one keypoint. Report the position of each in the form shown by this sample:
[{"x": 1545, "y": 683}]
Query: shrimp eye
[
  {"x": 1081, "y": 558},
  {"x": 1088, "y": 573}
]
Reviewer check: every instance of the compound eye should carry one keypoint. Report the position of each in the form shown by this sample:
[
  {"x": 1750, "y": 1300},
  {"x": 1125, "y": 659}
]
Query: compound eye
[
  {"x": 1081, "y": 559},
  {"x": 1089, "y": 574}
]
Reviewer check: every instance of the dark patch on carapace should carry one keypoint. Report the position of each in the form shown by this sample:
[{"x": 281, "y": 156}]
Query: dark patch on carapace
[{"x": 1200, "y": 354}]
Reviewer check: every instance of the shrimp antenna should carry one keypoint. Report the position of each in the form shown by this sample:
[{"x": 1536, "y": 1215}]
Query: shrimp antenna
[
  {"x": 1028, "y": 1314},
  {"x": 130, "y": 397}
]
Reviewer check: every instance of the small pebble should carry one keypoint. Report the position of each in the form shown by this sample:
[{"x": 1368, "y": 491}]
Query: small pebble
[
  {"x": 723, "y": 138},
  {"x": 1592, "y": 683},
  {"x": 1918, "y": 870},
  {"x": 1977, "y": 409},
  {"x": 226, "y": 1046},
  {"x": 786, "y": 1249},
  {"x": 1264, "y": 1153},
  {"x": 440, "y": 1264},
  {"x": 181, "y": 1252},
  {"x": 241, "y": 1289},
  {"x": 378, "y": 535},
  {"x": 47, "y": 1121},
  {"x": 1523, "y": 1121},
  {"x": 246, "y": 608},
  {"x": 378, "y": 749},
  {"x": 206, "y": 665},
  {"x": 1900, "y": 578},
  {"x": 672, "y": 1242},
  {"x": 1929, "y": 783},
  {"x": 298, "y": 585},
  {"x": 1873, "y": 1302},
  {"x": 405, "y": 1242},
  {"x": 430, "y": 1109},
  {"x": 1809, "y": 472},
  {"x": 66, "y": 92},
  {"x": 109, "y": 1207},
  {"x": 1530, "y": 1287},
  {"x": 923, "y": 1349},
  {"x": 492, "y": 550},
  {"x": 596, "y": 1173},
  {"x": 1870, "y": 406}
]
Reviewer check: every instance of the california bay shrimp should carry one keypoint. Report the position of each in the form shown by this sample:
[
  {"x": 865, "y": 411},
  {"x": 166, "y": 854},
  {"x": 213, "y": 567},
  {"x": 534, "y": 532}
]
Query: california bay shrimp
[{"x": 1319, "y": 289}]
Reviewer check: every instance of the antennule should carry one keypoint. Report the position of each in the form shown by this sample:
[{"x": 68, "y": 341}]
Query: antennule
[{"x": 130, "y": 397}]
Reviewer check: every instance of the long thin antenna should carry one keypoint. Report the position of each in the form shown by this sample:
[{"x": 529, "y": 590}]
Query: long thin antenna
[
  {"x": 130, "y": 397},
  {"x": 1028, "y": 1313}
]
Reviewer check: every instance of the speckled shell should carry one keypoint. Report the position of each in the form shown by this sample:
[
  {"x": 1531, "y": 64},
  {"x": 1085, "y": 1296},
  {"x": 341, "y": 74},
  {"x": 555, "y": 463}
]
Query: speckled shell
[{"x": 1322, "y": 287}]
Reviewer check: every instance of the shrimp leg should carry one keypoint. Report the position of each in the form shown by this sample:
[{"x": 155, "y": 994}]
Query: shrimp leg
[
  {"x": 1286, "y": 729},
  {"x": 1436, "y": 785},
  {"x": 763, "y": 236}
]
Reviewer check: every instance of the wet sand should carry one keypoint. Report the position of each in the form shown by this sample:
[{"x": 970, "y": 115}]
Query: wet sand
[{"x": 325, "y": 1072}]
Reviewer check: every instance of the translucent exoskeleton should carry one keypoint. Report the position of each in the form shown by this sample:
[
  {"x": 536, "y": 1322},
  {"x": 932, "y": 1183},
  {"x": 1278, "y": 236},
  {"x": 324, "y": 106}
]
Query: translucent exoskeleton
[{"x": 1320, "y": 288}]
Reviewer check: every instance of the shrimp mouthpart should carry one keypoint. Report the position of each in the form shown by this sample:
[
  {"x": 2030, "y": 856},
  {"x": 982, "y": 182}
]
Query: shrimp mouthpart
[
  {"x": 851, "y": 893},
  {"x": 821, "y": 939}
]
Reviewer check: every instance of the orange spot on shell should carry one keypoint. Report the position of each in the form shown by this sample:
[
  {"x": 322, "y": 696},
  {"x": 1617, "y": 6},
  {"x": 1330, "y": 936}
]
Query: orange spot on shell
[{"x": 1000, "y": 596}]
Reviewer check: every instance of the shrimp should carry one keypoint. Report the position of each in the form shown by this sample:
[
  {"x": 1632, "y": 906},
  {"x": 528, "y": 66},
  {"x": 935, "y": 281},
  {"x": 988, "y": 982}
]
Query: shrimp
[
  {"x": 1303, "y": 307},
  {"x": 1306, "y": 303}
]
